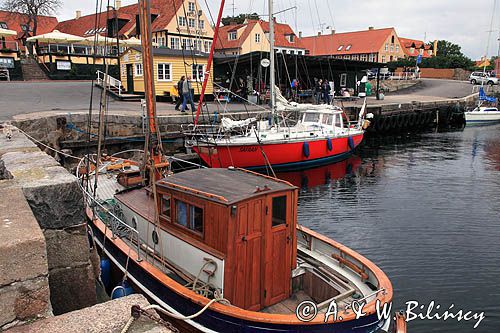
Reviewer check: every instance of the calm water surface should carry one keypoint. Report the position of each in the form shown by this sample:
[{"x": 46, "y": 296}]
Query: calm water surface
[{"x": 426, "y": 209}]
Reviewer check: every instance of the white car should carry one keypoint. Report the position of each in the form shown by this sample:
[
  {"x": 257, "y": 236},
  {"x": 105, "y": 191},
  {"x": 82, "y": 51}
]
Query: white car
[{"x": 482, "y": 78}]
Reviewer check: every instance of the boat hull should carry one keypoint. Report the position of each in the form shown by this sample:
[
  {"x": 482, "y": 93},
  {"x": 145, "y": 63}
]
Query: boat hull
[
  {"x": 282, "y": 156},
  {"x": 487, "y": 117},
  {"x": 213, "y": 321}
]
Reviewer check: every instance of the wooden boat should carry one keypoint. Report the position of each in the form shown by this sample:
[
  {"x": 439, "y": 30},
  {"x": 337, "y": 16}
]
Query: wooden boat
[
  {"x": 232, "y": 234},
  {"x": 223, "y": 243}
]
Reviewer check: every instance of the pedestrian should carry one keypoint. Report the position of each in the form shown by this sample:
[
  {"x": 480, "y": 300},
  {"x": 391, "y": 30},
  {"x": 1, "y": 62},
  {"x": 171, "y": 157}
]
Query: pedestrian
[
  {"x": 317, "y": 90},
  {"x": 325, "y": 89},
  {"x": 187, "y": 95},
  {"x": 179, "y": 93}
]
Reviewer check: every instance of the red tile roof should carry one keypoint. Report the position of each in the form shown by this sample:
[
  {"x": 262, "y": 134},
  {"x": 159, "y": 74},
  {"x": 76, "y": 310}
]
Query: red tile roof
[
  {"x": 408, "y": 44},
  {"x": 15, "y": 20},
  {"x": 85, "y": 25},
  {"x": 362, "y": 42},
  {"x": 281, "y": 32}
]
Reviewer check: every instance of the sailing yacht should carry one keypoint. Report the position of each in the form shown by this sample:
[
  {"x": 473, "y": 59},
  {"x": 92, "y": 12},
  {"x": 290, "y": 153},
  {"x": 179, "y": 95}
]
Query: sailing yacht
[
  {"x": 322, "y": 134},
  {"x": 220, "y": 249}
]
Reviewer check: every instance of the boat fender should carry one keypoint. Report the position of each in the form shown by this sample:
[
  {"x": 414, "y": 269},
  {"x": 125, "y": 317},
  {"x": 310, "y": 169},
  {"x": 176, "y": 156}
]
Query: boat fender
[
  {"x": 329, "y": 144},
  {"x": 122, "y": 290},
  {"x": 350, "y": 142},
  {"x": 306, "y": 150},
  {"x": 105, "y": 265}
]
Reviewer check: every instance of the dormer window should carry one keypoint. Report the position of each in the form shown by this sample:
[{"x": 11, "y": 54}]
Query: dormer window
[
  {"x": 340, "y": 48},
  {"x": 291, "y": 38},
  {"x": 4, "y": 25},
  {"x": 348, "y": 47},
  {"x": 233, "y": 35}
]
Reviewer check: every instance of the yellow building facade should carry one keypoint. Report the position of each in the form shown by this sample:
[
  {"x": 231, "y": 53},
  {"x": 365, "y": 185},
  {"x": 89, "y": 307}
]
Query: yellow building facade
[{"x": 169, "y": 65}]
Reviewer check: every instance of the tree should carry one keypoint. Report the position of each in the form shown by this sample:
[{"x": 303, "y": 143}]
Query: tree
[
  {"x": 446, "y": 48},
  {"x": 32, "y": 9},
  {"x": 240, "y": 18}
]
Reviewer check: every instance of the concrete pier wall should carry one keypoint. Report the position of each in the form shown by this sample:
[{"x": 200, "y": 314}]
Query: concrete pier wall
[{"x": 55, "y": 202}]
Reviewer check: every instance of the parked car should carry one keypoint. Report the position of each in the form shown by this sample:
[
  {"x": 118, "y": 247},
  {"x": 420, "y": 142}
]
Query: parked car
[{"x": 482, "y": 78}]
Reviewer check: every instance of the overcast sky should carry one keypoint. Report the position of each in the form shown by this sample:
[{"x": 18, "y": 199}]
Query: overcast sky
[{"x": 463, "y": 22}]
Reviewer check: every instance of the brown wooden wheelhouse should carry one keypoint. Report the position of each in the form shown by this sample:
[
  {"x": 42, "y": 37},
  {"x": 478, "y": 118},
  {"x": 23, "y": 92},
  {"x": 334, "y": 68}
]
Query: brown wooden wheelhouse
[{"x": 246, "y": 219}]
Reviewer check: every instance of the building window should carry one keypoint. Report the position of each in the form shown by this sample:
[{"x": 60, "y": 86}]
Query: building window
[
  {"x": 198, "y": 72},
  {"x": 175, "y": 43},
  {"x": 397, "y": 47},
  {"x": 4, "y": 25},
  {"x": 348, "y": 47},
  {"x": 372, "y": 57},
  {"x": 387, "y": 46},
  {"x": 26, "y": 28},
  {"x": 340, "y": 48},
  {"x": 189, "y": 216},
  {"x": 257, "y": 38},
  {"x": 421, "y": 51},
  {"x": 201, "y": 24},
  {"x": 165, "y": 206},
  {"x": 364, "y": 57},
  {"x": 232, "y": 35},
  {"x": 299, "y": 52},
  {"x": 279, "y": 211},
  {"x": 192, "y": 23},
  {"x": 208, "y": 45},
  {"x": 161, "y": 41},
  {"x": 182, "y": 21},
  {"x": 197, "y": 44},
  {"x": 392, "y": 39},
  {"x": 291, "y": 38},
  {"x": 191, "y": 6},
  {"x": 164, "y": 72},
  {"x": 392, "y": 47},
  {"x": 138, "y": 69},
  {"x": 383, "y": 58}
]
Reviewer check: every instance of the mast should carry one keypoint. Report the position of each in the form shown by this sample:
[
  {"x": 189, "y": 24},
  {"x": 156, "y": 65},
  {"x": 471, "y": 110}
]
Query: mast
[
  {"x": 271, "y": 55},
  {"x": 209, "y": 63},
  {"x": 148, "y": 70}
]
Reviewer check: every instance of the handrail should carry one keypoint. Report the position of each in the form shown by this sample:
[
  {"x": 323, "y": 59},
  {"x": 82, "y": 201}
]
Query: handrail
[{"x": 111, "y": 82}]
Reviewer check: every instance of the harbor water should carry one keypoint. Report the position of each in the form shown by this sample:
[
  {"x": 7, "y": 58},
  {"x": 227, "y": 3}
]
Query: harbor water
[{"x": 426, "y": 209}]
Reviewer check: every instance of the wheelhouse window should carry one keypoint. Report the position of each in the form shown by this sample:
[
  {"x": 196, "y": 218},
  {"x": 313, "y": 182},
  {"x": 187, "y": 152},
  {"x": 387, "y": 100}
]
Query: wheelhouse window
[
  {"x": 279, "y": 210},
  {"x": 189, "y": 216},
  {"x": 165, "y": 207},
  {"x": 310, "y": 117}
]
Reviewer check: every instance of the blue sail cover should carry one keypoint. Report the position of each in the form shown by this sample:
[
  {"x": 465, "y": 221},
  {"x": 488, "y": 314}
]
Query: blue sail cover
[{"x": 484, "y": 97}]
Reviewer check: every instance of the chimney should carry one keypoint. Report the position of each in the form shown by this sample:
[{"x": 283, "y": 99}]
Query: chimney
[
  {"x": 118, "y": 4},
  {"x": 319, "y": 33},
  {"x": 370, "y": 28},
  {"x": 78, "y": 14},
  {"x": 300, "y": 34},
  {"x": 333, "y": 31}
]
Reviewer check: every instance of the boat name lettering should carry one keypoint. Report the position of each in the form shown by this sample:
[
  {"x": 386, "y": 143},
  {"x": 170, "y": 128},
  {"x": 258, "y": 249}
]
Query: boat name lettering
[{"x": 248, "y": 149}]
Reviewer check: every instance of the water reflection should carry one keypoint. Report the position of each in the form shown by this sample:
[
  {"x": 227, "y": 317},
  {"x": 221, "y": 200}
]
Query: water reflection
[{"x": 425, "y": 208}]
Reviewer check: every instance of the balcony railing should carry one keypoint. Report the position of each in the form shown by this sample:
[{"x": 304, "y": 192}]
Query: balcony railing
[{"x": 74, "y": 49}]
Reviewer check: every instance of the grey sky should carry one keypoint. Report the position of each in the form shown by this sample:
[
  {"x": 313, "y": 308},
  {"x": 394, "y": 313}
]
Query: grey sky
[{"x": 463, "y": 22}]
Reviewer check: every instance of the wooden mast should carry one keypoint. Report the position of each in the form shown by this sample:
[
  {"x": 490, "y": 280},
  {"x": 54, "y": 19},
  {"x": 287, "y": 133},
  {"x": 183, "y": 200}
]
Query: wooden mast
[
  {"x": 209, "y": 63},
  {"x": 154, "y": 139}
]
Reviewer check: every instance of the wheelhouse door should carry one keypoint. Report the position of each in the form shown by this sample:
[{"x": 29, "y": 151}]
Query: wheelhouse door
[
  {"x": 249, "y": 251},
  {"x": 278, "y": 248}
]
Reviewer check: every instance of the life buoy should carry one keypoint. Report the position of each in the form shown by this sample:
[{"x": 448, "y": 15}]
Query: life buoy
[
  {"x": 305, "y": 149},
  {"x": 350, "y": 142},
  {"x": 329, "y": 144}
]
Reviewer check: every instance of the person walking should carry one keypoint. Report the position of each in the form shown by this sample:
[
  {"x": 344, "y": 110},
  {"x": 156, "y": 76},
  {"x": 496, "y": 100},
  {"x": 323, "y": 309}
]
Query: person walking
[
  {"x": 187, "y": 94},
  {"x": 179, "y": 93}
]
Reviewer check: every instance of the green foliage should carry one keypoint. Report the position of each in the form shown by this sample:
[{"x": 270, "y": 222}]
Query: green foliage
[{"x": 240, "y": 18}]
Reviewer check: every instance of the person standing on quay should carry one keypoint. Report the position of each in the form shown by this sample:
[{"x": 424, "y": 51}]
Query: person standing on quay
[
  {"x": 187, "y": 95},
  {"x": 180, "y": 99}
]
